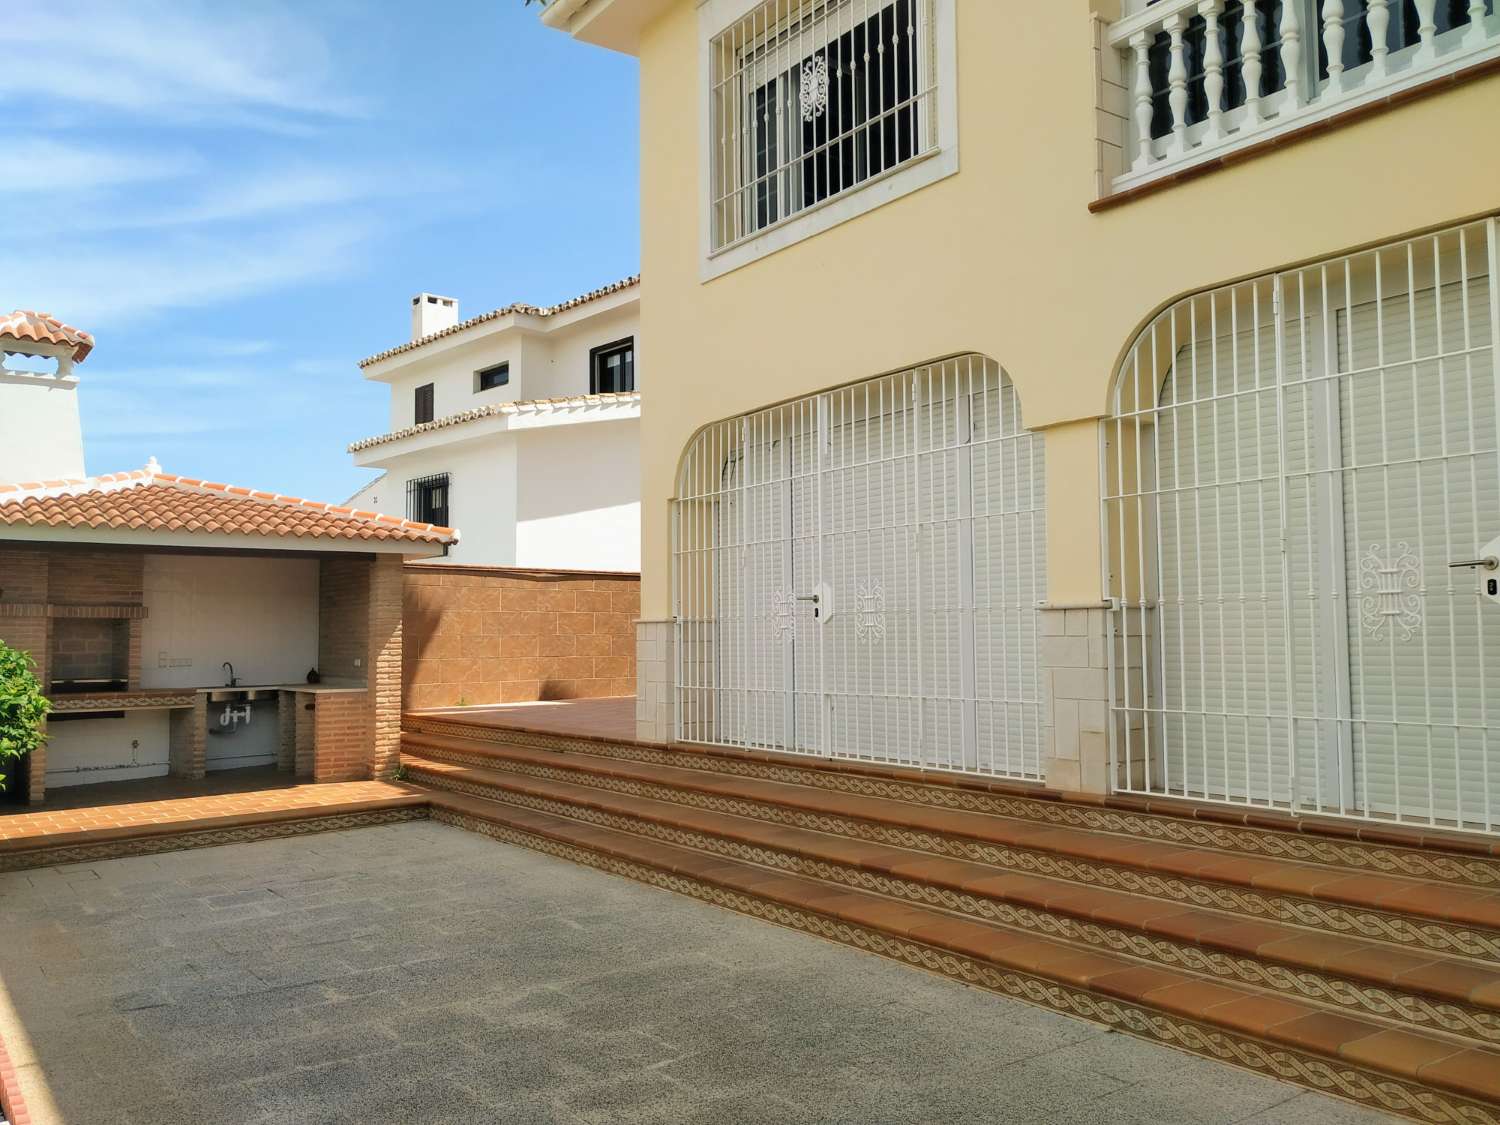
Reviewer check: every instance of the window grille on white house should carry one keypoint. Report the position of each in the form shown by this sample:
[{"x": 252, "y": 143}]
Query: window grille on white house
[
  {"x": 857, "y": 575},
  {"x": 1302, "y": 506},
  {"x": 812, "y": 98}
]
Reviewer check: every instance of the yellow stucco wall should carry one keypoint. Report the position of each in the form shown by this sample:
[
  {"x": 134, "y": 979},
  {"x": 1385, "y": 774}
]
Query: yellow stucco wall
[{"x": 1004, "y": 258}]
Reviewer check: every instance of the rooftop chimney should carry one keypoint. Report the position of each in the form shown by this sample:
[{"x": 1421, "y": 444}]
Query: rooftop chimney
[
  {"x": 431, "y": 313},
  {"x": 40, "y": 435}
]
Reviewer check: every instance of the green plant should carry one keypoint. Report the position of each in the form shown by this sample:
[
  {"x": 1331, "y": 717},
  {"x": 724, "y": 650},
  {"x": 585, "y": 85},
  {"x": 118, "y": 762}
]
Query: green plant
[{"x": 23, "y": 707}]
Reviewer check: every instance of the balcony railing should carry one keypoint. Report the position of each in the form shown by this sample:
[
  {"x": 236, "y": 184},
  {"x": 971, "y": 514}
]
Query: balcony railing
[{"x": 1203, "y": 77}]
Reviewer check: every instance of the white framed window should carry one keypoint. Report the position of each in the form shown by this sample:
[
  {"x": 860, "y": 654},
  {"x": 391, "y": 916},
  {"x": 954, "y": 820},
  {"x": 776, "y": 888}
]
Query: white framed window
[{"x": 809, "y": 105}]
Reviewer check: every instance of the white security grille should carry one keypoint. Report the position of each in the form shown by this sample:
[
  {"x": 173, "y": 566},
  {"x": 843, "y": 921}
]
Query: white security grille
[
  {"x": 857, "y": 575},
  {"x": 1292, "y": 467},
  {"x": 811, "y": 98}
]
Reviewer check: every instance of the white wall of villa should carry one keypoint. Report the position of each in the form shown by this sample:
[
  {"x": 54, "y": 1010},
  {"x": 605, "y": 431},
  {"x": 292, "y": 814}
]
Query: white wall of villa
[{"x": 540, "y": 471}]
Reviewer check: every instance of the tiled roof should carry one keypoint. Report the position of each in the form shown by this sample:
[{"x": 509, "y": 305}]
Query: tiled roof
[
  {"x": 151, "y": 500},
  {"x": 44, "y": 328},
  {"x": 498, "y": 409},
  {"x": 495, "y": 314}
]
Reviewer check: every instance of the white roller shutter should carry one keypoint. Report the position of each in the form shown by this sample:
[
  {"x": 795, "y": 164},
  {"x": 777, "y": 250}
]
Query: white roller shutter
[
  {"x": 1294, "y": 463},
  {"x": 876, "y": 557},
  {"x": 1418, "y": 436}
]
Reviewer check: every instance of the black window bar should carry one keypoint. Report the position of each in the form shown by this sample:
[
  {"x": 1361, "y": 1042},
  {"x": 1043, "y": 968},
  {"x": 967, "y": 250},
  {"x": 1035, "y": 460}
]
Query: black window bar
[{"x": 427, "y": 499}]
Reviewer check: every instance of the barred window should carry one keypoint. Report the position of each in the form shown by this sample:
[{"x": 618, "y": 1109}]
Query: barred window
[
  {"x": 427, "y": 500},
  {"x": 812, "y": 98}
]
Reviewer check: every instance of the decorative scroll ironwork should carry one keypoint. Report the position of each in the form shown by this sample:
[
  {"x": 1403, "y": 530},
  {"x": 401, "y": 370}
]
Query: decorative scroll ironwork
[
  {"x": 813, "y": 95},
  {"x": 1390, "y": 581},
  {"x": 783, "y": 613},
  {"x": 869, "y": 619}
]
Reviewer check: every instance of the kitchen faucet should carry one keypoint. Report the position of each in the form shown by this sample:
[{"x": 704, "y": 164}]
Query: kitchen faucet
[{"x": 231, "y": 681}]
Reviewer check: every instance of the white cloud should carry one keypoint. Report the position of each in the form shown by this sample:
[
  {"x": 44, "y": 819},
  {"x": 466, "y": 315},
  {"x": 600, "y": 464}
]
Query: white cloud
[
  {"x": 218, "y": 348},
  {"x": 173, "y": 61},
  {"x": 100, "y": 285},
  {"x": 150, "y": 184},
  {"x": 36, "y": 164}
]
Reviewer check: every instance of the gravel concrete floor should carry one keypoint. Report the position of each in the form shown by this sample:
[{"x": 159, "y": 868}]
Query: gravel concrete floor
[{"x": 419, "y": 973}]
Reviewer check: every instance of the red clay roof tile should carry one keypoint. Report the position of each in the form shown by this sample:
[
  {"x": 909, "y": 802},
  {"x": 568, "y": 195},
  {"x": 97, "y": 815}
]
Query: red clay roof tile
[
  {"x": 533, "y": 310},
  {"x": 156, "y": 501},
  {"x": 44, "y": 328}
]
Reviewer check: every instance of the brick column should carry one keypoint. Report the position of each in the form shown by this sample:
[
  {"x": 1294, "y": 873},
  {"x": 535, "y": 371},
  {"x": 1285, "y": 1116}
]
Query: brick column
[
  {"x": 1075, "y": 694},
  {"x": 304, "y": 734},
  {"x": 655, "y": 675},
  {"x": 341, "y": 736},
  {"x": 187, "y": 740},
  {"x": 286, "y": 731},
  {"x": 383, "y": 664},
  {"x": 25, "y": 584},
  {"x": 36, "y": 773}
]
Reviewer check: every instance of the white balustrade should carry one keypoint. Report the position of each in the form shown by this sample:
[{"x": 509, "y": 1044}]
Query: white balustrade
[
  {"x": 1378, "y": 19},
  {"x": 1291, "y": 51},
  {"x": 1177, "y": 98},
  {"x": 1250, "y": 48},
  {"x": 1213, "y": 68},
  {"x": 1238, "y": 117},
  {"x": 1333, "y": 41},
  {"x": 1427, "y": 30},
  {"x": 1140, "y": 43}
]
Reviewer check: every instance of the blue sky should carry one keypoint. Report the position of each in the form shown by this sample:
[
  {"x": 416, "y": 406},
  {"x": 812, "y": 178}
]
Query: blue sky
[{"x": 239, "y": 200}]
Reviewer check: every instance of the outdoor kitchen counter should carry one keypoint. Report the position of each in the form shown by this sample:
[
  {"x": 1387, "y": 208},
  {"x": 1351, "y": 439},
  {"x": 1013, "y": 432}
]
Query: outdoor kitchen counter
[
  {"x": 311, "y": 689},
  {"x": 73, "y": 703}
]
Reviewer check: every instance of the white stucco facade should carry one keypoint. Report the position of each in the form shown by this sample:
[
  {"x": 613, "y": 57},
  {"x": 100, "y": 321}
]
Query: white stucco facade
[{"x": 541, "y": 470}]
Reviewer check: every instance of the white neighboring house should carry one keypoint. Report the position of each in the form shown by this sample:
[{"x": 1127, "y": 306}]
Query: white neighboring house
[{"x": 521, "y": 426}]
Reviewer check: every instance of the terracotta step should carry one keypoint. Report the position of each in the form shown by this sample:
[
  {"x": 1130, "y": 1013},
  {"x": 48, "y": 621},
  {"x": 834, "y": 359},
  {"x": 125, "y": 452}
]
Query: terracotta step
[
  {"x": 1261, "y": 886},
  {"x": 1374, "y": 846},
  {"x": 1467, "y": 993},
  {"x": 1402, "y": 1071},
  {"x": 184, "y": 825}
]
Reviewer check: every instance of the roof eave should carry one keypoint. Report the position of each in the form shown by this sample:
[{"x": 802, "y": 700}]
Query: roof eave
[
  {"x": 376, "y": 451},
  {"x": 217, "y": 541},
  {"x": 522, "y": 319},
  {"x": 615, "y": 24}
]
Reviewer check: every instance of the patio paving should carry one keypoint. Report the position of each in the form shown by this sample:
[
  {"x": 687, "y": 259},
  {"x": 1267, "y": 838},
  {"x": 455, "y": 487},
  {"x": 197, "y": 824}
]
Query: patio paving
[{"x": 417, "y": 973}]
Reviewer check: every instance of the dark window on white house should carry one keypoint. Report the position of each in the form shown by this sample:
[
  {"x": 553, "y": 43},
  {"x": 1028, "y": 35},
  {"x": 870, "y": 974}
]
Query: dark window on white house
[
  {"x": 427, "y": 500},
  {"x": 489, "y": 378},
  {"x": 423, "y": 411},
  {"x": 612, "y": 368}
]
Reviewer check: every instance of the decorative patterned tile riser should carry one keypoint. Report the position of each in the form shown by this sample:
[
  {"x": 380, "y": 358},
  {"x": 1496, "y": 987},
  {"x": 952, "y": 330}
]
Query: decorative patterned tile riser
[
  {"x": 1377, "y": 925},
  {"x": 1358, "y": 856},
  {"x": 1402, "y": 1008},
  {"x": 212, "y": 838},
  {"x": 1329, "y": 1076}
]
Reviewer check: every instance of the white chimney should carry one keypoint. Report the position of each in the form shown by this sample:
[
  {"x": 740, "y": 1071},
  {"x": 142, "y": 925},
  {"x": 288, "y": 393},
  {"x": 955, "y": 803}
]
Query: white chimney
[
  {"x": 431, "y": 313},
  {"x": 40, "y": 435}
]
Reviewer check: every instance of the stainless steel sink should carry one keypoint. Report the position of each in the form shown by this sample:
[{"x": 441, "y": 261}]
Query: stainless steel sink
[
  {"x": 255, "y": 695},
  {"x": 227, "y": 695}
]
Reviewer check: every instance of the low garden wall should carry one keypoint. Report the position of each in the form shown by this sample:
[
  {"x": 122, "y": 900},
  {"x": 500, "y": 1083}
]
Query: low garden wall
[{"x": 506, "y": 635}]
